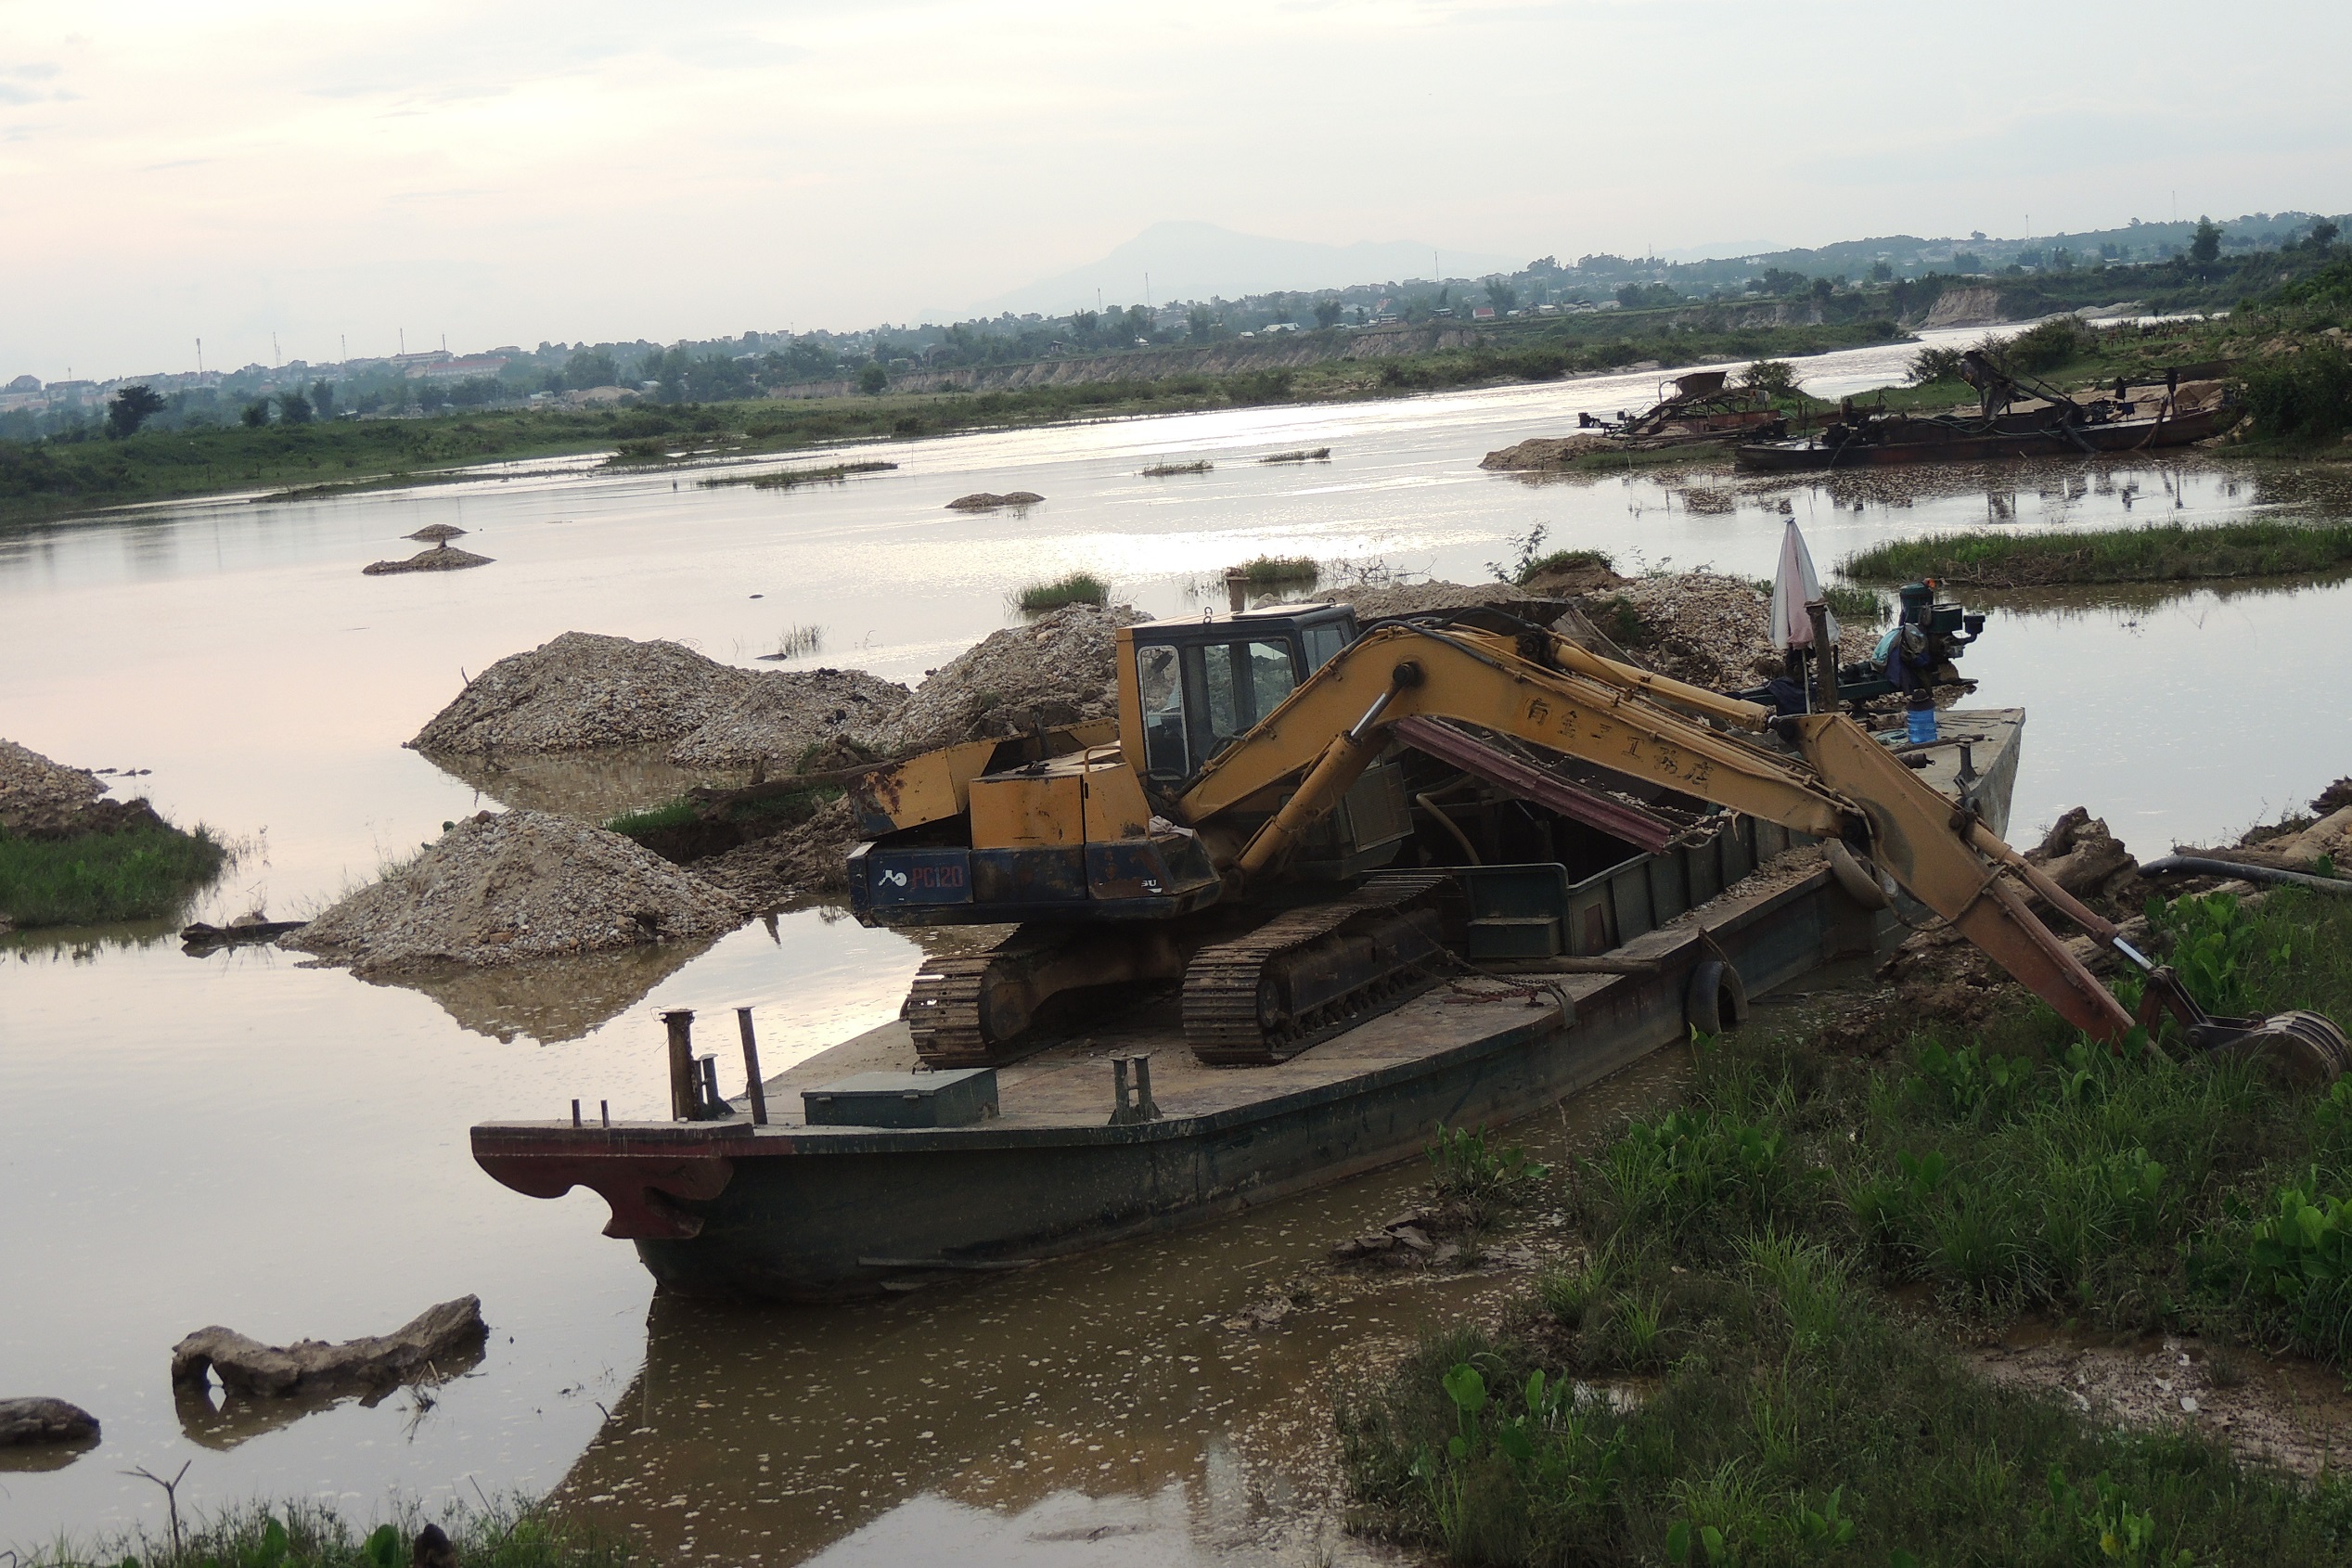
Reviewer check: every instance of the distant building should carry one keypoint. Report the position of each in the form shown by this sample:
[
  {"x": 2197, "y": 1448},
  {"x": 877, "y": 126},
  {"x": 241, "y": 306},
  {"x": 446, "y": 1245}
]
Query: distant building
[
  {"x": 24, "y": 384},
  {"x": 1482, "y": 313}
]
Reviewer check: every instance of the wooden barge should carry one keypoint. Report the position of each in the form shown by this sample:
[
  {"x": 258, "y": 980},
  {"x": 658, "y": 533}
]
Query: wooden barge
[{"x": 1075, "y": 1153}]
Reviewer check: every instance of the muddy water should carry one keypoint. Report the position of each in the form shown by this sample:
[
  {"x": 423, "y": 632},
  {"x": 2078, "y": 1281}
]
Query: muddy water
[{"x": 240, "y": 1139}]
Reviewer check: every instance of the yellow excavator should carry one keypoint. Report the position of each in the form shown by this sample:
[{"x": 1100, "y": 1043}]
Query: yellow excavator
[{"x": 1247, "y": 826}]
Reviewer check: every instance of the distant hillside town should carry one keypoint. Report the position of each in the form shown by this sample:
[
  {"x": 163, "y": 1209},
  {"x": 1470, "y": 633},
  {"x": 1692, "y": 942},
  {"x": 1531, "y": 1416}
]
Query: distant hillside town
[{"x": 1897, "y": 277}]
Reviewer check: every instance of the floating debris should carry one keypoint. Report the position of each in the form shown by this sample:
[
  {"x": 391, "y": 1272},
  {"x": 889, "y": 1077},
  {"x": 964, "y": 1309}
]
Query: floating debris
[{"x": 1303, "y": 455}]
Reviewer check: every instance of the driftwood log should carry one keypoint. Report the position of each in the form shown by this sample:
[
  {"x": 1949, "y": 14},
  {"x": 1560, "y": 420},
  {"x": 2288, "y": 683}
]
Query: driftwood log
[
  {"x": 247, "y": 1366},
  {"x": 27, "y": 1421}
]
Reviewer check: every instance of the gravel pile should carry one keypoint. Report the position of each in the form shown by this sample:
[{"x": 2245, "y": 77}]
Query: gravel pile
[
  {"x": 1706, "y": 629},
  {"x": 583, "y": 691},
  {"x": 1056, "y": 670},
  {"x": 988, "y": 501},
  {"x": 781, "y": 714},
  {"x": 35, "y": 792},
  {"x": 1545, "y": 452},
  {"x": 1422, "y": 599},
  {"x": 504, "y": 888}
]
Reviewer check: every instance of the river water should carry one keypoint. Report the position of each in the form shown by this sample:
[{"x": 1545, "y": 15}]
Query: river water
[{"x": 240, "y": 1139}]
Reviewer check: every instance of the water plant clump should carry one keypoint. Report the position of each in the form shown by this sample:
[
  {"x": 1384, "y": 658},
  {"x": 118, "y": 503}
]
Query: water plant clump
[
  {"x": 1279, "y": 572},
  {"x": 1078, "y": 587},
  {"x": 2164, "y": 552},
  {"x": 1164, "y": 470},
  {"x": 144, "y": 872},
  {"x": 788, "y": 478},
  {"x": 1302, "y": 454}
]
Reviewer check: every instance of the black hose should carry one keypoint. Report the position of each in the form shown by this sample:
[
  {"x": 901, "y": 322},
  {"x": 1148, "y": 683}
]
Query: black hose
[{"x": 2194, "y": 865}]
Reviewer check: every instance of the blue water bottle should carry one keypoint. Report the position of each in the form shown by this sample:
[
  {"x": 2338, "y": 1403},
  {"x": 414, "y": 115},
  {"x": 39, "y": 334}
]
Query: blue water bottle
[{"x": 1919, "y": 717}]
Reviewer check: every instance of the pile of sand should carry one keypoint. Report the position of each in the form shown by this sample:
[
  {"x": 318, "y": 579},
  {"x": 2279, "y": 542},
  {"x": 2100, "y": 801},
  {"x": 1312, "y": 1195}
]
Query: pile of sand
[
  {"x": 809, "y": 857},
  {"x": 503, "y": 888},
  {"x": 781, "y": 714},
  {"x": 1705, "y": 628},
  {"x": 583, "y": 691},
  {"x": 1058, "y": 670},
  {"x": 1545, "y": 452},
  {"x": 36, "y": 793}
]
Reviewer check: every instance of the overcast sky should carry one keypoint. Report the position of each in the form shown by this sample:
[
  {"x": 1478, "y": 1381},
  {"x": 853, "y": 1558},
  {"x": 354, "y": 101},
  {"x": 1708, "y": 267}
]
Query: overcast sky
[{"x": 513, "y": 173}]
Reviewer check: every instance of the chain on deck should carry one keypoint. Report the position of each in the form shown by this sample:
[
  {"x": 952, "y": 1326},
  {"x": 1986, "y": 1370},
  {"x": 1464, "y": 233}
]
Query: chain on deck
[{"x": 1228, "y": 990}]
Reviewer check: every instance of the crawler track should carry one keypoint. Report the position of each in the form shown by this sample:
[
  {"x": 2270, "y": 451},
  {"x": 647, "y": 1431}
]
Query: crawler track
[{"x": 1310, "y": 973}]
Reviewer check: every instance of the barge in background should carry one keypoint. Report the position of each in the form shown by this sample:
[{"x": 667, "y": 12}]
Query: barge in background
[{"x": 1121, "y": 1132}]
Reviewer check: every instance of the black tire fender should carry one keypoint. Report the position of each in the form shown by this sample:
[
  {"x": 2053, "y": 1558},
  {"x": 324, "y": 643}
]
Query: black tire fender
[{"x": 1717, "y": 1000}]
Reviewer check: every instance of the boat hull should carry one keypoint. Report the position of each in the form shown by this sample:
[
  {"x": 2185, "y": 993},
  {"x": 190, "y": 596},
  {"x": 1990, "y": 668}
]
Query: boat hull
[{"x": 2121, "y": 436}]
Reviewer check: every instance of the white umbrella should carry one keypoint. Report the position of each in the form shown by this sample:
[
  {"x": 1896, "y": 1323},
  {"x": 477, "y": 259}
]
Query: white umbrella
[{"x": 1794, "y": 585}]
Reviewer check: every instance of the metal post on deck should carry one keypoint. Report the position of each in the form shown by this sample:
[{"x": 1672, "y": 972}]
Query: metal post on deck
[
  {"x": 752, "y": 1068},
  {"x": 682, "y": 1090},
  {"x": 1825, "y": 651}
]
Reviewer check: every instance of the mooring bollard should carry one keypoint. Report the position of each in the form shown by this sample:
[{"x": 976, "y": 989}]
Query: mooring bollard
[
  {"x": 713, "y": 1104},
  {"x": 682, "y": 1093},
  {"x": 752, "y": 1068},
  {"x": 1127, "y": 1111},
  {"x": 604, "y": 1112},
  {"x": 576, "y": 1113}
]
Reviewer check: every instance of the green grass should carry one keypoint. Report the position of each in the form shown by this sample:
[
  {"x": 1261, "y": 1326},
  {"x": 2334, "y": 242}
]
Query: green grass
[
  {"x": 680, "y": 812},
  {"x": 1279, "y": 572},
  {"x": 1564, "y": 560},
  {"x": 142, "y": 874},
  {"x": 2166, "y": 552},
  {"x": 1741, "y": 1252},
  {"x": 1079, "y": 587},
  {"x": 304, "y": 1534},
  {"x": 1862, "y": 607}
]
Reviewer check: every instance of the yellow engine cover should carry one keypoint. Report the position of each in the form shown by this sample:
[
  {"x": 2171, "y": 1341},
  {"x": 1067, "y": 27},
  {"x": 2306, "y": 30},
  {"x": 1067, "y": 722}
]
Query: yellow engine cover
[{"x": 1086, "y": 797}]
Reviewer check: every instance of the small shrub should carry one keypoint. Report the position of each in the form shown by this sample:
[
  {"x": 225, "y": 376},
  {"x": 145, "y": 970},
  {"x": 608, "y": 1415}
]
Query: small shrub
[
  {"x": 2305, "y": 396},
  {"x": 1621, "y": 621},
  {"x": 1933, "y": 364},
  {"x": 2046, "y": 347},
  {"x": 1079, "y": 587},
  {"x": 2301, "y": 1259},
  {"x": 1774, "y": 378}
]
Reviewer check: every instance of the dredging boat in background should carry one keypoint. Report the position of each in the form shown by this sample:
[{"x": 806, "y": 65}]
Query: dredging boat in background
[
  {"x": 1703, "y": 407},
  {"x": 2191, "y": 407}
]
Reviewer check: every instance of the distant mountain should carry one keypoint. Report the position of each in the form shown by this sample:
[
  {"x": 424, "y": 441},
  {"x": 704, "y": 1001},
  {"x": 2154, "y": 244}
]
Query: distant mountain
[{"x": 1194, "y": 260}]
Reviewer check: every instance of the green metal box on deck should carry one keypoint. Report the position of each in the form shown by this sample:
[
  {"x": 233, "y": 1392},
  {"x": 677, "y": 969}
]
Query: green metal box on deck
[{"x": 956, "y": 1099}]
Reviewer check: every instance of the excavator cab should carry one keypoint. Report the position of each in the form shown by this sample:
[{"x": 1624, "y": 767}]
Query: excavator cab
[
  {"x": 1197, "y": 687},
  {"x": 1200, "y": 685}
]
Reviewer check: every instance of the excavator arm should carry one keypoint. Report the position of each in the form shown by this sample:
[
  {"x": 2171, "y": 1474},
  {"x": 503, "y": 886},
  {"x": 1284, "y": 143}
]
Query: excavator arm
[{"x": 1552, "y": 693}]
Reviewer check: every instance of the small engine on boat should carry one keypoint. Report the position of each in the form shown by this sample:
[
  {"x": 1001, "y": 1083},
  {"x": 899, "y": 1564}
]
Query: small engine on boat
[{"x": 1915, "y": 654}]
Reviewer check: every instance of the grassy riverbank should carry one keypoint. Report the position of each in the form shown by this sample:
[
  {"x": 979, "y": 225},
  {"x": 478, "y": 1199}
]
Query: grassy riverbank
[
  {"x": 1780, "y": 1270},
  {"x": 2167, "y": 552},
  {"x": 143, "y": 873}
]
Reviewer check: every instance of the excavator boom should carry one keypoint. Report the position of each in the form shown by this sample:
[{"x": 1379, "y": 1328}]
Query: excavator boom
[{"x": 1552, "y": 694}]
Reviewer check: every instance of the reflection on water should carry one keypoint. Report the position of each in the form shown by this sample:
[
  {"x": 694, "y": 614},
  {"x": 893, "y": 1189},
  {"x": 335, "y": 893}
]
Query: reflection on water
[
  {"x": 549, "y": 1000},
  {"x": 221, "y": 1419},
  {"x": 1110, "y": 1401},
  {"x": 594, "y": 785}
]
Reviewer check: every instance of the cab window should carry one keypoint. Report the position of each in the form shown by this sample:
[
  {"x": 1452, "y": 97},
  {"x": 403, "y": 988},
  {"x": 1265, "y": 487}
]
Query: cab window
[
  {"x": 1321, "y": 643},
  {"x": 1158, "y": 681},
  {"x": 1241, "y": 683}
]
